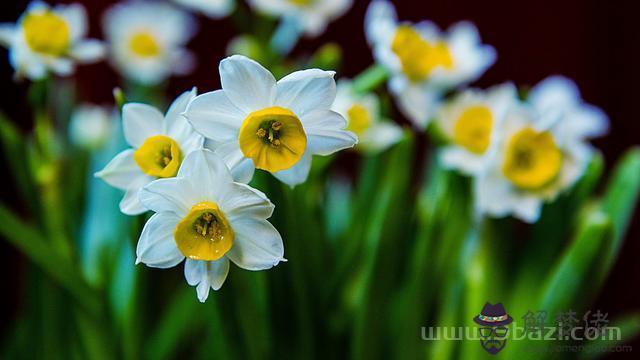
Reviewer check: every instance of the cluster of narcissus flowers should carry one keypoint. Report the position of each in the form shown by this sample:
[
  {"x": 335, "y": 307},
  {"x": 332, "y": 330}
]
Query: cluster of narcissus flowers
[
  {"x": 190, "y": 165},
  {"x": 520, "y": 153},
  {"x": 540, "y": 149},
  {"x": 204, "y": 211}
]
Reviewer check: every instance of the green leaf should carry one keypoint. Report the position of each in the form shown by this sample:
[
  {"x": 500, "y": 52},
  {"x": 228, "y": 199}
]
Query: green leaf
[
  {"x": 570, "y": 276},
  {"x": 370, "y": 79},
  {"x": 31, "y": 243},
  {"x": 621, "y": 197}
]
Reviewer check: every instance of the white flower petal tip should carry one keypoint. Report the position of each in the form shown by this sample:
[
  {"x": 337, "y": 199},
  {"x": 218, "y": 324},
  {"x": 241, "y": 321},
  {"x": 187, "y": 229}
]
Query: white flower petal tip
[{"x": 558, "y": 100}]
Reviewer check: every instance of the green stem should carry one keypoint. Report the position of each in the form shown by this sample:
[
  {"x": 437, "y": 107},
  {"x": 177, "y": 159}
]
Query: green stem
[{"x": 370, "y": 79}]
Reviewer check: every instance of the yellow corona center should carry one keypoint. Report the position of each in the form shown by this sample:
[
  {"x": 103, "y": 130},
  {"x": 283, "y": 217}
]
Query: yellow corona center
[
  {"x": 532, "y": 159},
  {"x": 204, "y": 234},
  {"x": 273, "y": 137},
  {"x": 301, "y": 2},
  {"x": 144, "y": 44},
  {"x": 359, "y": 119},
  {"x": 472, "y": 130},
  {"x": 419, "y": 57},
  {"x": 46, "y": 33},
  {"x": 159, "y": 156}
]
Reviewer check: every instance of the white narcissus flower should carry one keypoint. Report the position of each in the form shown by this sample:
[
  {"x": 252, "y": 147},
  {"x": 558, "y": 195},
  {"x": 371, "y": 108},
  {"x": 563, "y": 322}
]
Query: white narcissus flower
[
  {"x": 362, "y": 112},
  {"x": 147, "y": 38},
  {"x": 205, "y": 217},
  {"x": 472, "y": 122},
  {"x": 49, "y": 39},
  {"x": 214, "y": 9},
  {"x": 90, "y": 126},
  {"x": 312, "y": 15},
  {"x": 424, "y": 61},
  {"x": 159, "y": 145},
  {"x": 257, "y": 122},
  {"x": 536, "y": 159}
]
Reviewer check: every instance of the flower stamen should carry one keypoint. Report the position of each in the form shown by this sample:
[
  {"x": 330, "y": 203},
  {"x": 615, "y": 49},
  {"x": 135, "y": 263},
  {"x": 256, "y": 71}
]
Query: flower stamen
[
  {"x": 274, "y": 138},
  {"x": 205, "y": 233},
  {"x": 158, "y": 156}
]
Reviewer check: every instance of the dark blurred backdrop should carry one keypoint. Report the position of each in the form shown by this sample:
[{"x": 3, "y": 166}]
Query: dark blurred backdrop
[{"x": 594, "y": 42}]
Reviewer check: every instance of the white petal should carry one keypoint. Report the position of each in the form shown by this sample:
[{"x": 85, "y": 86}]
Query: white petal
[
  {"x": 380, "y": 21},
  {"x": 214, "y": 9},
  {"x": 257, "y": 245},
  {"x": 130, "y": 203},
  {"x": 453, "y": 157},
  {"x": 177, "y": 127},
  {"x": 88, "y": 51},
  {"x": 307, "y": 90},
  {"x": 298, "y": 173},
  {"x": 140, "y": 121},
  {"x": 528, "y": 209},
  {"x": 418, "y": 104},
  {"x": 178, "y": 106},
  {"x": 195, "y": 271},
  {"x": 217, "y": 272},
  {"x": 62, "y": 66},
  {"x": 7, "y": 34},
  {"x": 242, "y": 168},
  {"x": 324, "y": 133},
  {"x": 202, "y": 290},
  {"x": 122, "y": 172},
  {"x": 587, "y": 122},
  {"x": 244, "y": 201},
  {"x": 157, "y": 247},
  {"x": 174, "y": 195},
  {"x": 553, "y": 92},
  {"x": 247, "y": 84},
  {"x": 207, "y": 172},
  {"x": 380, "y": 136},
  {"x": 76, "y": 18},
  {"x": 213, "y": 115},
  {"x": 243, "y": 172},
  {"x": 206, "y": 274}
]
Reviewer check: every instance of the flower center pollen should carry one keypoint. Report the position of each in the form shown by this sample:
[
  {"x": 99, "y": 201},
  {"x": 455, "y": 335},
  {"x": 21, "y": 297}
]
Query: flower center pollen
[
  {"x": 46, "y": 33},
  {"x": 204, "y": 233},
  {"x": 419, "y": 57},
  {"x": 359, "y": 119},
  {"x": 159, "y": 156},
  {"x": 273, "y": 137},
  {"x": 472, "y": 130},
  {"x": 144, "y": 45},
  {"x": 532, "y": 159}
]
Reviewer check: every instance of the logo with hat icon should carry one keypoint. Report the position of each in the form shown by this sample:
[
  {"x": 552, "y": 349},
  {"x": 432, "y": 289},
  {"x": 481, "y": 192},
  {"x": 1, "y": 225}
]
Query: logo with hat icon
[{"x": 493, "y": 320}]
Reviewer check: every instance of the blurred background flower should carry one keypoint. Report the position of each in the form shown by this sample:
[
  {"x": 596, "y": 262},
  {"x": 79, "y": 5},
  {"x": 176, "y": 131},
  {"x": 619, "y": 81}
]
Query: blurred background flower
[
  {"x": 46, "y": 39},
  {"x": 146, "y": 40}
]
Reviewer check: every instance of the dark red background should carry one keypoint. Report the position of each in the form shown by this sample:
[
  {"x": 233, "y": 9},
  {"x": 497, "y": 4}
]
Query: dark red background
[{"x": 596, "y": 43}]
